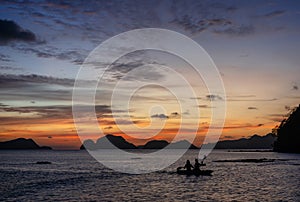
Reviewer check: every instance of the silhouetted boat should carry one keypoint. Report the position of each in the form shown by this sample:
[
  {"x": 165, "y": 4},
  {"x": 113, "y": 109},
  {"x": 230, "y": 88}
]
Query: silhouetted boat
[
  {"x": 182, "y": 171},
  {"x": 43, "y": 162}
]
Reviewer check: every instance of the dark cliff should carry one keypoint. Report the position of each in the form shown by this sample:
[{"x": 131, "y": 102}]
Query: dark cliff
[{"x": 288, "y": 133}]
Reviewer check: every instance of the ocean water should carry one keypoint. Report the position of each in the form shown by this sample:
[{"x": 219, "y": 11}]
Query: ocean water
[{"x": 76, "y": 176}]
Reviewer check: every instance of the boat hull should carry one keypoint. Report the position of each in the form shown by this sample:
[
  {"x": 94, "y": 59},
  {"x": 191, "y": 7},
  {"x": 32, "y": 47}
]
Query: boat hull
[{"x": 193, "y": 172}]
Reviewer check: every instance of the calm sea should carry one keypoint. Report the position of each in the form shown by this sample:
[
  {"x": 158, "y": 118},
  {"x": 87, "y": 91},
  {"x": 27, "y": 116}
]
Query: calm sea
[{"x": 76, "y": 176}]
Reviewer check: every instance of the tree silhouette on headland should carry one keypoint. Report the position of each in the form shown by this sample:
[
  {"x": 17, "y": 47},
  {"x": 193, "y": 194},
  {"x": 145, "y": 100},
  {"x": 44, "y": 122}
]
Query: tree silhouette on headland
[{"x": 288, "y": 133}]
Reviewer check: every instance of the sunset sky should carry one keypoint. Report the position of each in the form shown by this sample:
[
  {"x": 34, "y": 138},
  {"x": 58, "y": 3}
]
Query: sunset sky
[{"x": 254, "y": 44}]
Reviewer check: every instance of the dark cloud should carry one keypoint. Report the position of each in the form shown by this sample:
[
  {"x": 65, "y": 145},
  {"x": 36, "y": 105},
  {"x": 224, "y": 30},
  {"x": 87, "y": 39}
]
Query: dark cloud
[
  {"x": 38, "y": 14},
  {"x": 238, "y": 126},
  {"x": 259, "y": 125},
  {"x": 108, "y": 127},
  {"x": 11, "y": 80},
  {"x": 204, "y": 106},
  {"x": 54, "y": 112},
  {"x": 174, "y": 115},
  {"x": 4, "y": 58},
  {"x": 42, "y": 111},
  {"x": 119, "y": 122},
  {"x": 39, "y": 94},
  {"x": 75, "y": 56},
  {"x": 10, "y": 31},
  {"x": 144, "y": 64},
  {"x": 189, "y": 23},
  {"x": 31, "y": 80},
  {"x": 120, "y": 70},
  {"x": 125, "y": 67},
  {"x": 295, "y": 87},
  {"x": 198, "y": 16},
  {"x": 213, "y": 97},
  {"x": 3, "y": 105},
  {"x": 251, "y": 100},
  {"x": 160, "y": 116},
  {"x": 274, "y": 14},
  {"x": 252, "y": 108},
  {"x": 238, "y": 30},
  {"x": 10, "y": 68},
  {"x": 209, "y": 97}
]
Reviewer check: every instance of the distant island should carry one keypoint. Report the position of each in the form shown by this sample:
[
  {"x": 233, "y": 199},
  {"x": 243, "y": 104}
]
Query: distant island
[
  {"x": 105, "y": 143},
  {"x": 160, "y": 144},
  {"x": 21, "y": 143},
  {"x": 288, "y": 133},
  {"x": 121, "y": 143},
  {"x": 254, "y": 142}
]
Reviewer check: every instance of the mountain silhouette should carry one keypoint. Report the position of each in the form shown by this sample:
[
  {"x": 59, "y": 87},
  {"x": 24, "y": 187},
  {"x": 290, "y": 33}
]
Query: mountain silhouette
[
  {"x": 108, "y": 142},
  {"x": 155, "y": 144},
  {"x": 289, "y": 133},
  {"x": 254, "y": 142},
  {"x": 183, "y": 144},
  {"x": 160, "y": 144},
  {"x": 112, "y": 141},
  {"x": 21, "y": 143}
]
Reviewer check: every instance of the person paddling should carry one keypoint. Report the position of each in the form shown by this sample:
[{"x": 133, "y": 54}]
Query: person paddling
[
  {"x": 188, "y": 166},
  {"x": 197, "y": 165}
]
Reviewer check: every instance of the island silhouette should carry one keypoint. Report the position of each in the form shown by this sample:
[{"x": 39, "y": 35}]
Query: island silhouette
[
  {"x": 22, "y": 143},
  {"x": 288, "y": 133},
  {"x": 121, "y": 143}
]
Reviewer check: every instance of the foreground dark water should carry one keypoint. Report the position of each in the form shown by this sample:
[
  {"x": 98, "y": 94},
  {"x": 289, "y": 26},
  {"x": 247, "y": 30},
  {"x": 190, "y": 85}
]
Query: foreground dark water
[{"x": 75, "y": 176}]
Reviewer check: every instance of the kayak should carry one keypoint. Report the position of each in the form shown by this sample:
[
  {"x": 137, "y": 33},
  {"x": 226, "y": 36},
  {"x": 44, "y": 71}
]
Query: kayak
[{"x": 181, "y": 171}]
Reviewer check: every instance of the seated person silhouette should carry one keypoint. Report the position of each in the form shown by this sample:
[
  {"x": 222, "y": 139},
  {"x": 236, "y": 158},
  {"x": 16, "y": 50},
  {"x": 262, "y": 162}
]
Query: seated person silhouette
[
  {"x": 188, "y": 166},
  {"x": 197, "y": 165}
]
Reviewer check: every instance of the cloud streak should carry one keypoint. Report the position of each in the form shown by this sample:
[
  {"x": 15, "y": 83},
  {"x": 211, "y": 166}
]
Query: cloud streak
[
  {"x": 239, "y": 30},
  {"x": 11, "y": 80},
  {"x": 251, "y": 100},
  {"x": 51, "y": 112},
  {"x": 160, "y": 116},
  {"x": 275, "y": 13}
]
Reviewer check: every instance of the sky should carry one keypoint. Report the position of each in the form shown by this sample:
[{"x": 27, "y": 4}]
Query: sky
[{"x": 254, "y": 44}]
